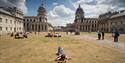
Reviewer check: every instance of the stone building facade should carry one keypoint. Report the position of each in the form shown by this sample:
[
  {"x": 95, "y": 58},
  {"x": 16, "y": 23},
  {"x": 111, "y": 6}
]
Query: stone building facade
[
  {"x": 112, "y": 21},
  {"x": 84, "y": 24},
  {"x": 37, "y": 23},
  {"x": 11, "y": 20}
]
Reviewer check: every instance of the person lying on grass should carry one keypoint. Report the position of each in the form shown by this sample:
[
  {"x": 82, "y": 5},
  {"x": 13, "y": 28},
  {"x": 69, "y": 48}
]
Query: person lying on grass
[{"x": 62, "y": 58}]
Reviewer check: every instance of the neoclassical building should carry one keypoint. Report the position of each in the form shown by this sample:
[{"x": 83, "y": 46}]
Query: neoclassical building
[
  {"x": 112, "y": 21},
  {"x": 84, "y": 24},
  {"x": 37, "y": 23},
  {"x": 11, "y": 20}
]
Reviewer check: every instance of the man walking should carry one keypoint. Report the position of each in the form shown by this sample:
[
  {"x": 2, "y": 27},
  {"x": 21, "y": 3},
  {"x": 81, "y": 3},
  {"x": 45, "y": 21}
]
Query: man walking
[
  {"x": 99, "y": 35},
  {"x": 103, "y": 34}
]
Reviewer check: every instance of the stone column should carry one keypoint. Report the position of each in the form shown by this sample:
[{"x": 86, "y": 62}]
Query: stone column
[
  {"x": 43, "y": 27},
  {"x": 87, "y": 28},
  {"x": 31, "y": 27},
  {"x": 80, "y": 28},
  {"x": 84, "y": 27},
  {"x": 37, "y": 27},
  {"x": 109, "y": 26},
  {"x": 40, "y": 27},
  {"x": 34, "y": 27}
]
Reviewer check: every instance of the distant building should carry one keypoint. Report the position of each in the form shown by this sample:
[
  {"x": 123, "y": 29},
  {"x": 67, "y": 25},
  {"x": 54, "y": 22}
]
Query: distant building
[
  {"x": 112, "y": 21},
  {"x": 37, "y": 23},
  {"x": 84, "y": 24},
  {"x": 58, "y": 28},
  {"x": 11, "y": 20},
  {"x": 69, "y": 27}
]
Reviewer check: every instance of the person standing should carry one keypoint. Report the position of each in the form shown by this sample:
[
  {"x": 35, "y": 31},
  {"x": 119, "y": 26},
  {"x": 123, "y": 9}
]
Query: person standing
[
  {"x": 103, "y": 34},
  {"x": 115, "y": 35},
  {"x": 99, "y": 35},
  {"x": 67, "y": 32}
]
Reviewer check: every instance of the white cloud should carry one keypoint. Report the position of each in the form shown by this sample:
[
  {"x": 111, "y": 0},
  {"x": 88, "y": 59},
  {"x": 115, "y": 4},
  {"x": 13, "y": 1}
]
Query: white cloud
[
  {"x": 93, "y": 8},
  {"x": 60, "y": 15},
  {"x": 14, "y": 3}
]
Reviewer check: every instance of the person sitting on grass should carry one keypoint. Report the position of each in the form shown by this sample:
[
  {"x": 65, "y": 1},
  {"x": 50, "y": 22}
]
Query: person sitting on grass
[
  {"x": 60, "y": 51},
  {"x": 61, "y": 57}
]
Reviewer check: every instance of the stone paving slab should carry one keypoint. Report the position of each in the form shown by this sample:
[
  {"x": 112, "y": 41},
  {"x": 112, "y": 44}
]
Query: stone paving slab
[{"x": 118, "y": 46}]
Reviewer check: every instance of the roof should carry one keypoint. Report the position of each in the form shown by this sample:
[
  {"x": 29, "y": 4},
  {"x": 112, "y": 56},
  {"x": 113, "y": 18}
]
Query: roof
[
  {"x": 30, "y": 16},
  {"x": 2, "y": 10},
  {"x": 118, "y": 15},
  {"x": 9, "y": 11},
  {"x": 91, "y": 18}
]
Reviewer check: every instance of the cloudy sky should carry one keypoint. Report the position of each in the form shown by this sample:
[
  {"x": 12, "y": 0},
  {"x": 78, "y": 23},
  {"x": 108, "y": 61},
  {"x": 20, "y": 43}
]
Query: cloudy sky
[{"x": 60, "y": 12}]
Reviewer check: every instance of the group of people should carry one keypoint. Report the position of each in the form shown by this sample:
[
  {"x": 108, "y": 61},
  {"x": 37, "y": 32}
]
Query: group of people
[
  {"x": 19, "y": 35},
  {"x": 53, "y": 34},
  {"x": 115, "y": 35}
]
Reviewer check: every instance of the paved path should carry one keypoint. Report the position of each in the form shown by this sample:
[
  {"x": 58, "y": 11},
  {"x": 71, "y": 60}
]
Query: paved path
[{"x": 118, "y": 46}]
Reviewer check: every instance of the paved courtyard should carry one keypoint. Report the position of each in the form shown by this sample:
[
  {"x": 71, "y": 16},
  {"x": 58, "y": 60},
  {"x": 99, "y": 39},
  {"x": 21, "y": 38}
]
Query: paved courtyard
[{"x": 84, "y": 48}]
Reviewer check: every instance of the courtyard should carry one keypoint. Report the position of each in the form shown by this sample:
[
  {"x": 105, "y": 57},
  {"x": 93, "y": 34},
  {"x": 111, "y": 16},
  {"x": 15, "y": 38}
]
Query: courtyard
[{"x": 84, "y": 48}]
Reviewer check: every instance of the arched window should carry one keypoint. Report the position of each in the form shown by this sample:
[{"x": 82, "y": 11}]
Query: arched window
[
  {"x": 34, "y": 20},
  {"x": 40, "y": 19},
  {"x": 30, "y": 20},
  {"x": 27, "y": 20}
]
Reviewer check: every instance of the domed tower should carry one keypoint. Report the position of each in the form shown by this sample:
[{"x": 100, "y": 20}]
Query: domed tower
[
  {"x": 79, "y": 13},
  {"x": 41, "y": 11},
  {"x": 79, "y": 17}
]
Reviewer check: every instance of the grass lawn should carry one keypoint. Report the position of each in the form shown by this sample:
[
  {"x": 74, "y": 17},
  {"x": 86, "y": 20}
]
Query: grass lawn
[{"x": 39, "y": 49}]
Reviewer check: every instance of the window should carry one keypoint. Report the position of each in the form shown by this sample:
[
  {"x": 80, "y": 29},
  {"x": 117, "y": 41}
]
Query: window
[
  {"x": 19, "y": 28},
  {"x": 115, "y": 23},
  {"x": 14, "y": 22},
  {"x": 34, "y": 20},
  {"x": 0, "y": 20},
  {"x": 0, "y": 28},
  {"x": 121, "y": 22},
  {"x": 6, "y": 20},
  {"x": 19, "y": 22},
  {"x": 27, "y": 20},
  {"x": 11, "y": 28},
  {"x": 31, "y": 20},
  {"x": 40, "y": 19},
  {"x": 11, "y": 21},
  {"x": 6, "y": 28},
  {"x": 24, "y": 20}
]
